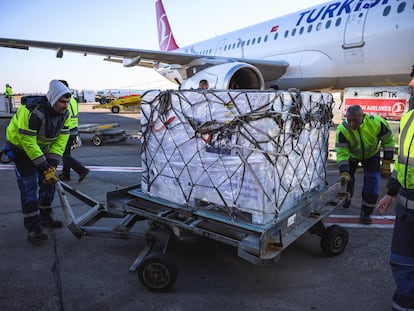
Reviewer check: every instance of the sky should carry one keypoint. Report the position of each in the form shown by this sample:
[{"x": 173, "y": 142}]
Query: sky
[{"x": 121, "y": 23}]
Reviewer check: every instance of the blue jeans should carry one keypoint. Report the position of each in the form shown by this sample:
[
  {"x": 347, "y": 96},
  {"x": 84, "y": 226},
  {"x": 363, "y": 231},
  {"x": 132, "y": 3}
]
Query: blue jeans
[{"x": 35, "y": 195}]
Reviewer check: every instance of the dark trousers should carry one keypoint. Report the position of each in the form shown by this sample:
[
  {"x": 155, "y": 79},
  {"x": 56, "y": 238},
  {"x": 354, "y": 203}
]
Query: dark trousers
[
  {"x": 402, "y": 256},
  {"x": 36, "y": 196},
  {"x": 70, "y": 162},
  {"x": 370, "y": 188}
]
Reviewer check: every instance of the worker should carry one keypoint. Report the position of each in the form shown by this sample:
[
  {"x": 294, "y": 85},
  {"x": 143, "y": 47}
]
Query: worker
[
  {"x": 401, "y": 183},
  {"x": 69, "y": 161},
  {"x": 411, "y": 100},
  {"x": 36, "y": 137},
  {"x": 203, "y": 85},
  {"x": 358, "y": 140},
  {"x": 9, "y": 96}
]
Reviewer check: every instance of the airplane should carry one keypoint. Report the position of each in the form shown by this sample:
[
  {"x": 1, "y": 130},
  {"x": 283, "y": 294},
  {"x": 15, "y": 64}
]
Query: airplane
[{"x": 338, "y": 44}]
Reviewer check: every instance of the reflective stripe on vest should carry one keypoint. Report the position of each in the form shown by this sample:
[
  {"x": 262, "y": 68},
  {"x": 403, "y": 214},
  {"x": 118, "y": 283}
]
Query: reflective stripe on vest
[
  {"x": 406, "y": 202},
  {"x": 404, "y": 155}
]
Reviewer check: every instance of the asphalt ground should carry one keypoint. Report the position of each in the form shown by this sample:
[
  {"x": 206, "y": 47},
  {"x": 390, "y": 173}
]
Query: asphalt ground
[{"x": 92, "y": 273}]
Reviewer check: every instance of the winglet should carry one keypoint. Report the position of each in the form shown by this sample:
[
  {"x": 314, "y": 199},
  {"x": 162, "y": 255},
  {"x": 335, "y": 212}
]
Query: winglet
[{"x": 166, "y": 39}]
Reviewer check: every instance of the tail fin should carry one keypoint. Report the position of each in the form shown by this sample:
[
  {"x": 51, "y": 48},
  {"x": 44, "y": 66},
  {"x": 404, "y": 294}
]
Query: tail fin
[{"x": 166, "y": 39}]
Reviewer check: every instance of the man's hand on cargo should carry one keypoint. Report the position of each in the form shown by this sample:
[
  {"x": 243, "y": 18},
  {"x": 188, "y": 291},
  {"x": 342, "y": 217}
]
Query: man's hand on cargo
[
  {"x": 51, "y": 175},
  {"x": 345, "y": 178},
  {"x": 385, "y": 168}
]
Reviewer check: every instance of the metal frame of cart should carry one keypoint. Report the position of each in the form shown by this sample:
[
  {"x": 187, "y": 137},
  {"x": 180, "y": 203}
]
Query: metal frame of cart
[
  {"x": 103, "y": 133},
  {"x": 258, "y": 244}
]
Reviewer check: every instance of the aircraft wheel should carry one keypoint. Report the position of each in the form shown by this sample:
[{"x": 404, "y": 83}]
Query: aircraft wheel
[
  {"x": 97, "y": 140},
  {"x": 334, "y": 240},
  {"x": 157, "y": 273}
]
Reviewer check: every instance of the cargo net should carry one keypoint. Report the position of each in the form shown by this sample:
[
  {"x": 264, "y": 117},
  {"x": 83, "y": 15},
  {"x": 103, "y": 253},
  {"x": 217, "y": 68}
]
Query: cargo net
[{"x": 250, "y": 154}]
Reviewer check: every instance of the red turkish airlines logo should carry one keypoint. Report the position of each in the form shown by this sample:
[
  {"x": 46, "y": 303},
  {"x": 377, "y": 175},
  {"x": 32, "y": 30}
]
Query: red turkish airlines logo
[{"x": 398, "y": 108}]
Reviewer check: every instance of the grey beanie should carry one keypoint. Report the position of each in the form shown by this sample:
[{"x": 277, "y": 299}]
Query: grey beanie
[{"x": 56, "y": 90}]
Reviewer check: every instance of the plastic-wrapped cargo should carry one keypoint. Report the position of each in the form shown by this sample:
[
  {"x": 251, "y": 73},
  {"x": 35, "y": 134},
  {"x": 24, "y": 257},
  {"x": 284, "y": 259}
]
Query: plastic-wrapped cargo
[{"x": 249, "y": 154}]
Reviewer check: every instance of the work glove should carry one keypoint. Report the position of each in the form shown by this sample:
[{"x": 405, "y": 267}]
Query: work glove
[
  {"x": 385, "y": 168},
  {"x": 51, "y": 175},
  {"x": 345, "y": 178}
]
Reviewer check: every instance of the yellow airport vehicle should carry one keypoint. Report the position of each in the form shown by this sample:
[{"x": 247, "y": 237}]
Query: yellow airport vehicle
[{"x": 125, "y": 103}]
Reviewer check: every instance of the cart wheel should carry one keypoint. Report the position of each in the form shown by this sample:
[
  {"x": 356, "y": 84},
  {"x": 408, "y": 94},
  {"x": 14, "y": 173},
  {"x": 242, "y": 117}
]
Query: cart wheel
[
  {"x": 334, "y": 240},
  {"x": 97, "y": 140},
  {"x": 157, "y": 273},
  {"x": 115, "y": 109},
  {"x": 123, "y": 138}
]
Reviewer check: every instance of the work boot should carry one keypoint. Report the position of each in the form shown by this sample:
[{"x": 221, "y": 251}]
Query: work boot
[
  {"x": 48, "y": 221},
  {"x": 365, "y": 218},
  {"x": 83, "y": 174},
  {"x": 64, "y": 177},
  {"x": 347, "y": 204},
  {"x": 36, "y": 235}
]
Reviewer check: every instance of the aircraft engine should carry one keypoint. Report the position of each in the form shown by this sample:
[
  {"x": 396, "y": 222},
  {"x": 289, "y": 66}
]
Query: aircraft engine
[{"x": 232, "y": 75}]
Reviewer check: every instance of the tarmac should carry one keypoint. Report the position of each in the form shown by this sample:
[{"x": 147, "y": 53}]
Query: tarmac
[{"x": 92, "y": 273}]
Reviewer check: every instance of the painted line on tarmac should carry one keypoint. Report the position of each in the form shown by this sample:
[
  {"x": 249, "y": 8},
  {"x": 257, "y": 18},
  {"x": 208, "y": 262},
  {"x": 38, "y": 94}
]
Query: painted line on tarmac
[
  {"x": 352, "y": 221},
  {"x": 122, "y": 169}
]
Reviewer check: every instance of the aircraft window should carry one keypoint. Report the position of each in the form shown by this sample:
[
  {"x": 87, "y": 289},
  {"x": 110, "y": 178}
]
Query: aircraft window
[
  {"x": 234, "y": 45},
  {"x": 338, "y": 22},
  {"x": 310, "y": 28},
  {"x": 265, "y": 39},
  {"x": 387, "y": 11},
  {"x": 286, "y": 33},
  {"x": 293, "y": 32},
  {"x": 248, "y": 42},
  {"x": 238, "y": 44},
  {"x": 401, "y": 7},
  {"x": 301, "y": 30},
  {"x": 318, "y": 27},
  {"x": 253, "y": 41},
  {"x": 243, "y": 42},
  {"x": 209, "y": 52},
  {"x": 259, "y": 39},
  {"x": 328, "y": 24},
  {"x": 275, "y": 37}
]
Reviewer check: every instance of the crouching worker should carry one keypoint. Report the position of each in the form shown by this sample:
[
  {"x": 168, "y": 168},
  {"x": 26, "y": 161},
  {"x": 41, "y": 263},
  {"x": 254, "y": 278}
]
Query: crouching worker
[{"x": 37, "y": 136}]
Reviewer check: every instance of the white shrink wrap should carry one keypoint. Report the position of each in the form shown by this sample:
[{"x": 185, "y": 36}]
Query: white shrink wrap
[{"x": 254, "y": 153}]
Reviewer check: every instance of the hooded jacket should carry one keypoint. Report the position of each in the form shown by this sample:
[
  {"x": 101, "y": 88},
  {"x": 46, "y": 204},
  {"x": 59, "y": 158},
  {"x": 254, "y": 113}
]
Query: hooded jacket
[{"x": 40, "y": 131}]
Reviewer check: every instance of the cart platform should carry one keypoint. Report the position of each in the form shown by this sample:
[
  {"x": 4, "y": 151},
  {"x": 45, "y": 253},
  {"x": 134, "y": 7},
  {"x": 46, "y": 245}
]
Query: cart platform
[{"x": 257, "y": 244}]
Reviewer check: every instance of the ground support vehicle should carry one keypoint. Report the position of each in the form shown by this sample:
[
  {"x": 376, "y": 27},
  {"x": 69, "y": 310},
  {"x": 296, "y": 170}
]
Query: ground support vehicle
[
  {"x": 130, "y": 213},
  {"x": 103, "y": 132},
  {"x": 126, "y": 103}
]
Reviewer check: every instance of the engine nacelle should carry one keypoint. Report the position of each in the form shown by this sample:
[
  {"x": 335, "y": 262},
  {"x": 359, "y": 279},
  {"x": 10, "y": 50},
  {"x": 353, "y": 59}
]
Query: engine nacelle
[{"x": 234, "y": 75}]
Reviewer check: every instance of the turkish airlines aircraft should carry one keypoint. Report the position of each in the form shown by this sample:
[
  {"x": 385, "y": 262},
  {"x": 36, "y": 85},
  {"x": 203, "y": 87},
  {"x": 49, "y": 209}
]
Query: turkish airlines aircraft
[{"x": 329, "y": 46}]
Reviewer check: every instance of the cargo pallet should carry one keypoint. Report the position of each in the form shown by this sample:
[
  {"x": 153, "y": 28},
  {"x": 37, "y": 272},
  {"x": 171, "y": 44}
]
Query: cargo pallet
[{"x": 161, "y": 220}]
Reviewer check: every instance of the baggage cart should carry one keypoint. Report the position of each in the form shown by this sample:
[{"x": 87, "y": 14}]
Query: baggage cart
[
  {"x": 129, "y": 213},
  {"x": 103, "y": 132}
]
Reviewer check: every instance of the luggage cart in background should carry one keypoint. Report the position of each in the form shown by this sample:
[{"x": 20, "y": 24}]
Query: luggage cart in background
[
  {"x": 103, "y": 132},
  {"x": 129, "y": 213}
]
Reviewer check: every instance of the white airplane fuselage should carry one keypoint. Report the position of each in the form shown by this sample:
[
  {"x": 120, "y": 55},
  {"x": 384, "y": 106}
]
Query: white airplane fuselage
[{"x": 331, "y": 46}]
